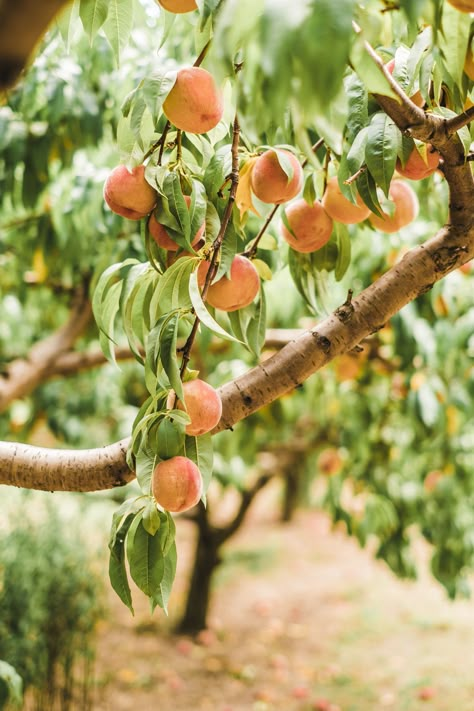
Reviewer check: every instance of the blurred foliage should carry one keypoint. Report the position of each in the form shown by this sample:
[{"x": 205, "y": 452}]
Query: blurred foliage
[{"x": 50, "y": 603}]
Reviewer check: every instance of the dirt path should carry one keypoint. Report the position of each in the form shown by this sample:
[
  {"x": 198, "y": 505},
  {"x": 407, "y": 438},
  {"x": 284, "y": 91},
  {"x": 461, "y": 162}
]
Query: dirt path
[{"x": 301, "y": 620}]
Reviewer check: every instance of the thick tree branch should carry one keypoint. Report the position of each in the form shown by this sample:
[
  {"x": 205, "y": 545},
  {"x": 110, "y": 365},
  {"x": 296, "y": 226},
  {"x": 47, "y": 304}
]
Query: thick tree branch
[{"x": 25, "y": 374}]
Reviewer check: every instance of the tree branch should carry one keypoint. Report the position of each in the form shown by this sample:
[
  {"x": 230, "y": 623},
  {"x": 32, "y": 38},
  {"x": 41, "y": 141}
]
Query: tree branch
[
  {"x": 454, "y": 124},
  {"x": 25, "y": 374}
]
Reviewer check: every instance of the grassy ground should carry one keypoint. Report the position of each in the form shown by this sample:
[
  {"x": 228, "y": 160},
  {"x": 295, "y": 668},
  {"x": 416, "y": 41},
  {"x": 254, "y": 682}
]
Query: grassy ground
[{"x": 301, "y": 619}]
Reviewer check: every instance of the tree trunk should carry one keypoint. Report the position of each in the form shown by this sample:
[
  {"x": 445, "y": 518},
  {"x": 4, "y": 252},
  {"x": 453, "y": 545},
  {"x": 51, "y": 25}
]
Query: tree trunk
[
  {"x": 206, "y": 560},
  {"x": 291, "y": 492}
]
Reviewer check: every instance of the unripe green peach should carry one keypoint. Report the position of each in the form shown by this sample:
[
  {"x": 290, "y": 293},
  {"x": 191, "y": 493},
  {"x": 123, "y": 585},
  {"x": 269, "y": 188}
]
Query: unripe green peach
[
  {"x": 194, "y": 103},
  {"x": 128, "y": 194},
  {"x": 269, "y": 181},
  {"x": 463, "y": 5},
  {"x": 237, "y": 290},
  {"x": 178, "y": 7},
  {"x": 161, "y": 236},
  {"x": 311, "y": 226},
  {"x": 203, "y": 405},
  {"x": 340, "y": 208},
  {"x": 177, "y": 484},
  {"x": 416, "y": 168},
  {"x": 406, "y": 208}
]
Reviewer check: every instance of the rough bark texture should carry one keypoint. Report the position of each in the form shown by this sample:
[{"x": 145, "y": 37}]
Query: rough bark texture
[{"x": 348, "y": 326}]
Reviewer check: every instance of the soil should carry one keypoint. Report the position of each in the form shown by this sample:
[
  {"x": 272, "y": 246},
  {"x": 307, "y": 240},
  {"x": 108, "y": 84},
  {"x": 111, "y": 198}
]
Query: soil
[{"x": 301, "y": 619}]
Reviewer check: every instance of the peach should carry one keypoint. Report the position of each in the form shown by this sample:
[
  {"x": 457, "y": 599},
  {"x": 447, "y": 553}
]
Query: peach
[
  {"x": 194, "y": 103},
  {"x": 340, "y": 208},
  {"x": 177, "y": 484},
  {"x": 416, "y": 168},
  {"x": 230, "y": 294},
  {"x": 269, "y": 181},
  {"x": 463, "y": 5},
  {"x": 161, "y": 236},
  {"x": 406, "y": 208},
  {"x": 203, "y": 405},
  {"x": 311, "y": 226},
  {"x": 416, "y": 97},
  {"x": 178, "y": 7},
  {"x": 128, "y": 194}
]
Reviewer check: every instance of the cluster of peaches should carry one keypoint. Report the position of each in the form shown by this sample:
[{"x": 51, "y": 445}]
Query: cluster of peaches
[{"x": 195, "y": 105}]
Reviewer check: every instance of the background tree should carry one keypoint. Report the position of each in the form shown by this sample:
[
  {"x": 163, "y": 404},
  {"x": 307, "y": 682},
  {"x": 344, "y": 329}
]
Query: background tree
[{"x": 353, "y": 118}]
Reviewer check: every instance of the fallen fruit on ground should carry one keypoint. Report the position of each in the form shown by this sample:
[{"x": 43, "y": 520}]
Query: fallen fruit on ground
[
  {"x": 178, "y": 7},
  {"x": 270, "y": 183},
  {"x": 194, "y": 103},
  {"x": 416, "y": 167},
  {"x": 235, "y": 291},
  {"x": 310, "y": 226},
  {"x": 177, "y": 484},
  {"x": 161, "y": 236},
  {"x": 406, "y": 209},
  {"x": 340, "y": 208},
  {"x": 203, "y": 405},
  {"x": 128, "y": 194}
]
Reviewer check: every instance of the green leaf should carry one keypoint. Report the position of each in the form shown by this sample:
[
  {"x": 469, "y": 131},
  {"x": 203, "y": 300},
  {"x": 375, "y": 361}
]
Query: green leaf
[
  {"x": 358, "y": 112},
  {"x": 368, "y": 71},
  {"x": 256, "y": 331},
  {"x": 454, "y": 40},
  {"x": 151, "y": 518},
  {"x": 383, "y": 141},
  {"x": 155, "y": 88},
  {"x": 145, "y": 558},
  {"x": 170, "y": 438},
  {"x": 130, "y": 506},
  {"x": 117, "y": 571},
  {"x": 108, "y": 312},
  {"x": 199, "y": 450},
  {"x": 368, "y": 191},
  {"x": 161, "y": 596},
  {"x": 168, "y": 338},
  {"x": 145, "y": 463},
  {"x": 202, "y": 313},
  {"x": 167, "y": 532},
  {"x": 118, "y": 25},
  {"x": 343, "y": 242},
  {"x": 173, "y": 290},
  {"x": 93, "y": 14},
  {"x": 11, "y": 687}
]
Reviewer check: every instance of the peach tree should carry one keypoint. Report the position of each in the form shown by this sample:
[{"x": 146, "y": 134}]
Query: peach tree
[{"x": 260, "y": 136}]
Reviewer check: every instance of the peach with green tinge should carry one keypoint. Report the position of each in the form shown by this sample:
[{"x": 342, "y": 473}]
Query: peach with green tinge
[
  {"x": 416, "y": 167},
  {"x": 177, "y": 484},
  {"x": 203, "y": 405},
  {"x": 128, "y": 194},
  {"x": 195, "y": 103},
  {"x": 406, "y": 208},
  {"x": 161, "y": 236},
  {"x": 237, "y": 290},
  {"x": 340, "y": 208},
  {"x": 310, "y": 226},
  {"x": 270, "y": 183}
]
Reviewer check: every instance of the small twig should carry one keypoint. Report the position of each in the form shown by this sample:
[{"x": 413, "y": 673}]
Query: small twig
[
  {"x": 356, "y": 175},
  {"x": 216, "y": 245},
  {"x": 454, "y": 124},
  {"x": 202, "y": 54},
  {"x": 179, "y": 136},
  {"x": 314, "y": 148}
]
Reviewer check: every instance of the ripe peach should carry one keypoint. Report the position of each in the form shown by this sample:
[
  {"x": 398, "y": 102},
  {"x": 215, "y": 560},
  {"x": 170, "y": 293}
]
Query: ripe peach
[
  {"x": 161, "y": 236},
  {"x": 178, "y": 7},
  {"x": 416, "y": 168},
  {"x": 203, "y": 405},
  {"x": 340, "y": 208},
  {"x": 177, "y": 484},
  {"x": 230, "y": 294},
  {"x": 194, "y": 103},
  {"x": 406, "y": 208},
  {"x": 310, "y": 224},
  {"x": 269, "y": 181},
  {"x": 416, "y": 97},
  {"x": 128, "y": 194},
  {"x": 463, "y": 5}
]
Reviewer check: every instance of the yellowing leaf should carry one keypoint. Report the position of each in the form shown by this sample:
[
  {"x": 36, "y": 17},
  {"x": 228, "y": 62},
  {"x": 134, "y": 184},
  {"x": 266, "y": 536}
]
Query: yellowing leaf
[
  {"x": 243, "y": 198},
  {"x": 39, "y": 266},
  {"x": 262, "y": 268}
]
